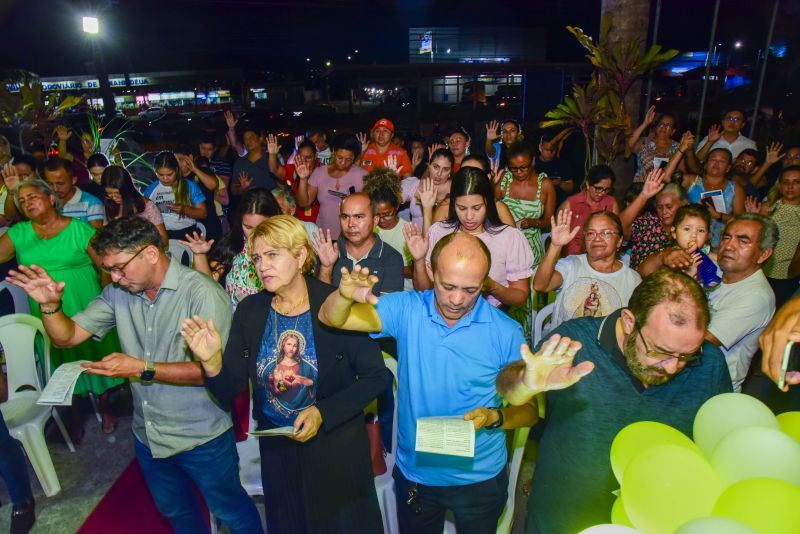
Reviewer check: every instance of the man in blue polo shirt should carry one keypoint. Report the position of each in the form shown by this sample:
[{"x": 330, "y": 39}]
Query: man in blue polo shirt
[
  {"x": 650, "y": 364},
  {"x": 451, "y": 346},
  {"x": 75, "y": 203}
]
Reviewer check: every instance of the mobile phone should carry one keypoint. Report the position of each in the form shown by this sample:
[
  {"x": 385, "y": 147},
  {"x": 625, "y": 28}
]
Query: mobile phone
[{"x": 790, "y": 362}]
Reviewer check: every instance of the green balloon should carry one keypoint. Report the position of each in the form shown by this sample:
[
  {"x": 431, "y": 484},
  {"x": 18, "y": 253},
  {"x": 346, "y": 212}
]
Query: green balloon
[
  {"x": 640, "y": 436},
  {"x": 667, "y": 485},
  {"x": 714, "y": 525},
  {"x": 768, "y": 505},
  {"x": 618, "y": 515},
  {"x": 726, "y": 412},
  {"x": 790, "y": 424},
  {"x": 756, "y": 452}
]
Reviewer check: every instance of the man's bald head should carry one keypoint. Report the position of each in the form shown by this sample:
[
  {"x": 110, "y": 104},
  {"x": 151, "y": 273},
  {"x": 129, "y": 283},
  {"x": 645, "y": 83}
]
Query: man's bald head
[
  {"x": 458, "y": 248},
  {"x": 360, "y": 199}
]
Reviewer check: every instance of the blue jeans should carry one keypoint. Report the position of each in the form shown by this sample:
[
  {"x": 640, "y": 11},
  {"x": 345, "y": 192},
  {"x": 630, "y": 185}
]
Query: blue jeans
[
  {"x": 214, "y": 468},
  {"x": 476, "y": 507},
  {"x": 13, "y": 467}
]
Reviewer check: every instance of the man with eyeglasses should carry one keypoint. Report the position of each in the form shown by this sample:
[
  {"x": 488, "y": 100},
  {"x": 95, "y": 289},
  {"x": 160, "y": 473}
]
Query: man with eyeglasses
[
  {"x": 728, "y": 136},
  {"x": 651, "y": 363},
  {"x": 180, "y": 434},
  {"x": 358, "y": 244}
]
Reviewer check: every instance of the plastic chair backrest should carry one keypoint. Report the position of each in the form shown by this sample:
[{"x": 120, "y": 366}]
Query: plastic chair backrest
[
  {"x": 18, "y": 337},
  {"x": 18, "y": 297},
  {"x": 391, "y": 364},
  {"x": 518, "y": 443},
  {"x": 201, "y": 228},
  {"x": 539, "y": 328},
  {"x": 181, "y": 252}
]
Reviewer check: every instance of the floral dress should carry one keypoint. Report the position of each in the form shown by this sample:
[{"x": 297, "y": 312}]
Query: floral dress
[
  {"x": 242, "y": 280},
  {"x": 526, "y": 209},
  {"x": 645, "y": 159},
  {"x": 648, "y": 237}
]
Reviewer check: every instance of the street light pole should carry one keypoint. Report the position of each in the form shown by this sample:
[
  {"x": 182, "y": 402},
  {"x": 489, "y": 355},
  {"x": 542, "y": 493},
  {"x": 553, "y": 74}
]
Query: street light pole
[
  {"x": 763, "y": 68},
  {"x": 91, "y": 27}
]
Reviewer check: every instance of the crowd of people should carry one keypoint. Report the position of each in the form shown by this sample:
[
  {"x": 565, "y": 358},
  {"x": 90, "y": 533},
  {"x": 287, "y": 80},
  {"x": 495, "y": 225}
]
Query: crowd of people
[{"x": 311, "y": 264}]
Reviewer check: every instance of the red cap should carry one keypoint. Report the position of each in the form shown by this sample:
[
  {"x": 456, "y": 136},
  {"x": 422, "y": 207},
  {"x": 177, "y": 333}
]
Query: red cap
[{"x": 386, "y": 123}]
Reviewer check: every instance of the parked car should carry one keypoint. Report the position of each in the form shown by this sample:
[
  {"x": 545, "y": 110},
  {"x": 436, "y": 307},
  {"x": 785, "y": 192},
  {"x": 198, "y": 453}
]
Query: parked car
[{"x": 152, "y": 114}]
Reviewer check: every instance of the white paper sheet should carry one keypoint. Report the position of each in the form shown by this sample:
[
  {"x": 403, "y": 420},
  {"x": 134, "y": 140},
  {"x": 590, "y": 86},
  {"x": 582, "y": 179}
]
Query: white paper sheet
[
  {"x": 58, "y": 390},
  {"x": 280, "y": 431},
  {"x": 446, "y": 435}
]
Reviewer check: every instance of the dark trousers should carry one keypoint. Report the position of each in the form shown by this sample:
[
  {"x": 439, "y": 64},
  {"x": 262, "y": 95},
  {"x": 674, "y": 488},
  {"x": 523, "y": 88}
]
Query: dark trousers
[
  {"x": 214, "y": 468},
  {"x": 13, "y": 467},
  {"x": 476, "y": 507}
]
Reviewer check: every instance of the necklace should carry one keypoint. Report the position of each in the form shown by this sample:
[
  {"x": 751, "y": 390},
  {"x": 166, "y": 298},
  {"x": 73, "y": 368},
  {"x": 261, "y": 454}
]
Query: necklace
[{"x": 288, "y": 313}]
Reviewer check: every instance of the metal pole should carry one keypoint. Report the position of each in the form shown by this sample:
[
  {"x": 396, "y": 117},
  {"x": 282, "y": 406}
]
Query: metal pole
[
  {"x": 655, "y": 40},
  {"x": 764, "y": 68},
  {"x": 711, "y": 42}
]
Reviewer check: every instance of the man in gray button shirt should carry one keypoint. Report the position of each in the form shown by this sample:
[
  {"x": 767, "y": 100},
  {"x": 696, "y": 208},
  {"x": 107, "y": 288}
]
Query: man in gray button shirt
[{"x": 180, "y": 434}]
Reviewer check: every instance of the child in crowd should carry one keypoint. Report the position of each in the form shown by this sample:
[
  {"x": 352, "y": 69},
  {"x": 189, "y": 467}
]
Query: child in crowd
[{"x": 180, "y": 201}]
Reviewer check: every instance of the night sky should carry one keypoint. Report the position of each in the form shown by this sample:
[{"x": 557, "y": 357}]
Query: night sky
[{"x": 45, "y": 36}]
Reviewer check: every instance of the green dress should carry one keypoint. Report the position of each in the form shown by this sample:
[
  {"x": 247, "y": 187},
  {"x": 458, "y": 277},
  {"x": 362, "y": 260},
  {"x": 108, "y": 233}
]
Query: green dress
[
  {"x": 526, "y": 209},
  {"x": 64, "y": 257}
]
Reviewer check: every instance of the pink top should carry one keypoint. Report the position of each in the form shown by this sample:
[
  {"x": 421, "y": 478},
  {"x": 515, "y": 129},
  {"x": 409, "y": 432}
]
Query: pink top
[
  {"x": 331, "y": 192},
  {"x": 151, "y": 213},
  {"x": 512, "y": 258},
  {"x": 580, "y": 213}
]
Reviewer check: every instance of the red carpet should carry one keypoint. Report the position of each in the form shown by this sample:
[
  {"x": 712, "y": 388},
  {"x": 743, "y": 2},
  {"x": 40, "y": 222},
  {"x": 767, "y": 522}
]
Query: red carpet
[{"x": 128, "y": 508}]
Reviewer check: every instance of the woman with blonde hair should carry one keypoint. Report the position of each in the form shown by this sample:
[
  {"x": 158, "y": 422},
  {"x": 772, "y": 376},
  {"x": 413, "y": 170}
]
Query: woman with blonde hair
[{"x": 304, "y": 490}]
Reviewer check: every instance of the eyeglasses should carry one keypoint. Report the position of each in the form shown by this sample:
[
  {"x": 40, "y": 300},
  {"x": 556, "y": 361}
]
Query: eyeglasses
[
  {"x": 526, "y": 168},
  {"x": 661, "y": 356},
  {"x": 666, "y": 125},
  {"x": 120, "y": 269},
  {"x": 387, "y": 216},
  {"x": 747, "y": 162},
  {"x": 602, "y": 189},
  {"x": 605, "y": 235},
  {"x": 733, "y": 118},
  {"x": 791, "y": 156}
]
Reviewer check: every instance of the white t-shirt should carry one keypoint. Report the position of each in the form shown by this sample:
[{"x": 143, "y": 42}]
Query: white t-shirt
[
  {"x": 739, "y": 312},
  {"x": 736, "y": 147},
  {"x": 162, "y": 195},
  {"x": 589, "y": 293}
]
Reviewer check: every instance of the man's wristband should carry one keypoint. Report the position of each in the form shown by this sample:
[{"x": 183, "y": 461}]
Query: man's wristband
[
  {"x": 500, "y": 418},
  {"x": 53, "y": 311}
]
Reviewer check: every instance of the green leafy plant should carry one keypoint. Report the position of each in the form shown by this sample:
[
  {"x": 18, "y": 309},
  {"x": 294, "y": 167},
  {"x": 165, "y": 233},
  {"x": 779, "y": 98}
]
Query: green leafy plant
[{"x": 596, "y": 110}]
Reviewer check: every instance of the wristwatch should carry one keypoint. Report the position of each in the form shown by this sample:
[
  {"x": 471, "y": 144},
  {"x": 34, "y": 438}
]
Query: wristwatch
[
  {"x": 500, "y": 419},
  {"x": 149, "y": 372}
]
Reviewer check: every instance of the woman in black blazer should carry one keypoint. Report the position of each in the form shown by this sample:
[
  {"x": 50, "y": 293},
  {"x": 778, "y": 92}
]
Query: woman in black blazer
[{"x": 305, "y": 375}]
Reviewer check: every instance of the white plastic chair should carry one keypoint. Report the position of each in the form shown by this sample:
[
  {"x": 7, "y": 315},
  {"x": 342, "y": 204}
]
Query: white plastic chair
[
  {"x": 18, "y": 297},
  {"x": 25, "y": 418},
  {"x": 514, "y": 465},
  {"x": 181, "y": 252},
  {"x": 384, "y": 484},
  {"x": 539, "y": 327},
  {"x": 201, "y": 228}
]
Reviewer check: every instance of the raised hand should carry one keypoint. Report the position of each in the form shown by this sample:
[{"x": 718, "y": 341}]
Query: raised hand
[
  {"x": 650, "y": 116},
  {"x": 560, "y": 232},
  {"x": 687, "y": 141},
  {"x": 230, "y": 120},
  {"x": 427, "y": 193},
  {"x": 714, "y": 133},
  {"x": 197, "y": 243},
  {"x": 62, "y": 132},
  {"x": 433, "y": 148},
  {"x": 202, "y": 338},
  {"x": 752, "y": 205},
  {"x": 327, "y": 249},
  {"x": 416, "y": 242},
  {"x": 774, "y": 153},
  {"x": 364, "y": 140},
  {"x": 272, "y": 144},
  {"x": 416, "y": 157},
  {"x": 653, "y": 184},
  {"x": 245, "y": 181},
  {"x": 303, "y": 169},
  {"x": 551, "y": 368},
  {"x": 39, "y": 285},
  {"x": 492, "y": 130},
  {"x": 391, "y": 164},
  {"x": 357, "y": 285},
  {"x": 10, "y": 176},
  {"x": 496, "y": 172},
  {"x": 297, "y": 140}
]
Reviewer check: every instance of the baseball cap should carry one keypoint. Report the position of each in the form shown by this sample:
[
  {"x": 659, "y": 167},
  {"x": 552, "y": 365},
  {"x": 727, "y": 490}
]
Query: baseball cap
[{"x": 386, "y": 123}]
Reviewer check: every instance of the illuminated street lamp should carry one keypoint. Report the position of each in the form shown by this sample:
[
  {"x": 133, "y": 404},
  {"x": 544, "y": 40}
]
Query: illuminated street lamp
[
  {"x": 327, "y": 63},
  {"x": 737, "y": 44},
  {"x": 91, "y": 25}
]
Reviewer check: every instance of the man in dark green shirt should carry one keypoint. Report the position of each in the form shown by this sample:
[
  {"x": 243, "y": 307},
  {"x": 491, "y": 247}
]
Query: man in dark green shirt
[{"x": 651, "y": 363}]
